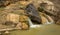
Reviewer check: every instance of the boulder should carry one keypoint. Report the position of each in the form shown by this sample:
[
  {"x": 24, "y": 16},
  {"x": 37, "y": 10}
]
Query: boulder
[
  {"x": 25, "y": 26},
  {"x": 22, "y": 25},
  {"x": 23, "y": 18},
  {"x": 12, "y": 17}
]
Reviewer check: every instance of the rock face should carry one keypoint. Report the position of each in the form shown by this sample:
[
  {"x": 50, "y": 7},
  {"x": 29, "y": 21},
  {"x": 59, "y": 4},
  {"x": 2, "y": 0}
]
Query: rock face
[
  {"x": 13, "y": 14},
  {"x": 16, "y": 14},
  {"x": 57, "y": 11},
  {"x": 12, "y": 17},
  {"x": 46, "y": 19},
  {"x": 7, "y": 2}
]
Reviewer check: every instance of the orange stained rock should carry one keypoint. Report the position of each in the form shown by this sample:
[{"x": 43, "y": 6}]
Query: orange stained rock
[
  {"x": 25, "y": 26},
  {"x": 24, "y": 2},
  {"x": 23, "y": 18}
]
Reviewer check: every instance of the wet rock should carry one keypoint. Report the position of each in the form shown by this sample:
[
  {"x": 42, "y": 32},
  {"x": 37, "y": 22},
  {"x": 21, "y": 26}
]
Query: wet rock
[
  {"x": 22, "y": 25},
  {"x": 33, "y": 13},
  {"x": 46, "y": 19},
  {"x": 25, "y": 26}
]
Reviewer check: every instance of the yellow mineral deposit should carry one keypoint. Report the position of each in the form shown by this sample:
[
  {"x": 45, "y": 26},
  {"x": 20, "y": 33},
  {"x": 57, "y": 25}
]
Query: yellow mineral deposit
[
  {"x": 25, "y": 26},
  {"x": 23, "y": 2},
  {"x": 44, "y": 20},
  {"x": 23, "y": 18}
]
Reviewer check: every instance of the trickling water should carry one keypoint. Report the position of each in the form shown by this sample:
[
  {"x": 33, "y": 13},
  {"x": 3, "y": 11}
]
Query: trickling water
[
  {"x": 49, "y": 20},
  {"x": 30, "y": 22},
  {"x": 32, "y": 25}
]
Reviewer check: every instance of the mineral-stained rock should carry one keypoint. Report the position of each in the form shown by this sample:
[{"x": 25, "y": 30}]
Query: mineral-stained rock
[
  {"x": 24, "y": 22},
  {"x": 14, "y": 15},
  {"x": 46, "y": 19},
  {"x": 23, "y": 18},
  {"x": 22, "y": 25},
  {"x": 25, "y": 26}
]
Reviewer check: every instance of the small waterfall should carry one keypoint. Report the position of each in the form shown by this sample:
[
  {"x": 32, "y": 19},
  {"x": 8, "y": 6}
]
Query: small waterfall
[
  {"x": 46, "y": 19},
  {"x": 49, "y": 20},
  {"x": 31, "y": 24}
]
